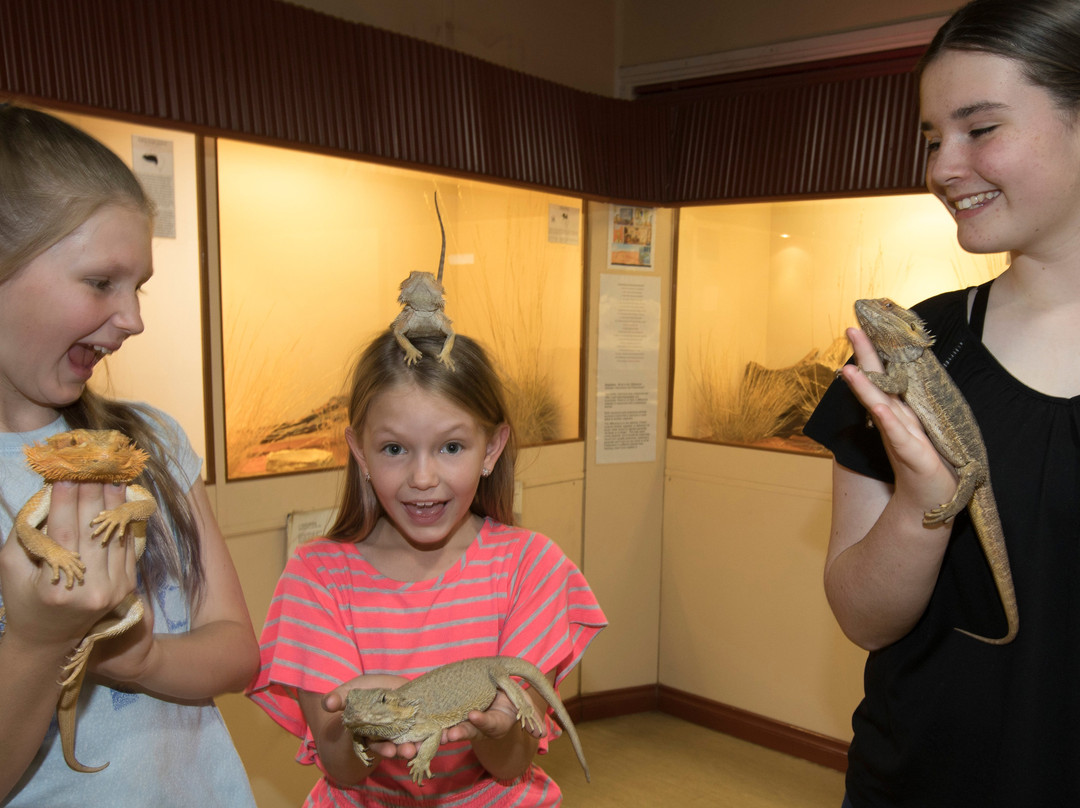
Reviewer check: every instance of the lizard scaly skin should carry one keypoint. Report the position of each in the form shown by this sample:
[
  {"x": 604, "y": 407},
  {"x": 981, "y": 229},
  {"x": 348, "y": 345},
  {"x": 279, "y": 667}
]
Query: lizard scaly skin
[
  {"x": 423, "y": 305},
  {"x": 914, "y": 373},
  {"x": 95, "y": 456},
  {"x": 419, "y": 710}
]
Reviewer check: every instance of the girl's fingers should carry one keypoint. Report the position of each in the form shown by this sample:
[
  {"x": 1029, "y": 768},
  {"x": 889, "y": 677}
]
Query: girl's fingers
[
  {"x": 91, "y": 503},
  {"x": 865, "y": 353},
  {"x": 63, "y": 519}
]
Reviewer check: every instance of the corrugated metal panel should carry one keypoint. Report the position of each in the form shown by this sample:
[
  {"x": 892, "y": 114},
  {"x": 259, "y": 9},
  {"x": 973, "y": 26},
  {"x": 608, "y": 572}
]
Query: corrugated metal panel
[
  {"x": 274, "y": 72},
  {"x": 810, "y": 135}
]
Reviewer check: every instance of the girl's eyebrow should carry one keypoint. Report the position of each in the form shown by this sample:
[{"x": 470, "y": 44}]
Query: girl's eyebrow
[{"x": 961, "y": 113}]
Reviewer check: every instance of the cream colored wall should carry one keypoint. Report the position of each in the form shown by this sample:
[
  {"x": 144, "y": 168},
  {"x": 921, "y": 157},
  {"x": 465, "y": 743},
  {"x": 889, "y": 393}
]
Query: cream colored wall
[
  {"x": 565, "y": 41},
  {"x": 743, "y": 617},
  {"x": 624, "y": 502},
  {"x": 582, "y": 44},
  {"x": 661, "y": 32}
]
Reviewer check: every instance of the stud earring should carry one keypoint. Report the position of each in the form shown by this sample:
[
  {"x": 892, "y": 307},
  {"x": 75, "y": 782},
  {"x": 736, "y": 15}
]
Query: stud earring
[
  {"x": 485, "y": 473},
  {"x": 367, "y": 477}
]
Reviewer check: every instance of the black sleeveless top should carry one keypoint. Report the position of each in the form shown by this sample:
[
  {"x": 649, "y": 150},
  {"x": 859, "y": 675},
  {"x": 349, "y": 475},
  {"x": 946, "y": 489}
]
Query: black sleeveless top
[{"x": 948, "y": 721}]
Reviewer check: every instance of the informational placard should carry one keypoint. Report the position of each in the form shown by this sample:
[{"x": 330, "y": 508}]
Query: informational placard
[
  {"x": 152, "y": 161},
  {"x": 564, "y": 224},
  {"x": 627, "y": 369},
  {"x": 302, "y": 526},
  {"x": 630, "y": 237}
]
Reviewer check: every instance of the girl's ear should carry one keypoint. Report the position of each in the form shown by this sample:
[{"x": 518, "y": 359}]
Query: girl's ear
[
  {"x": 355, "y": 450},
  {"x": 496, "y": 444}
]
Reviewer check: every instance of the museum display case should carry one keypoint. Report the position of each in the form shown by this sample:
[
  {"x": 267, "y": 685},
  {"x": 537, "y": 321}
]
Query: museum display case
[
  {"x": 313, "y": 250},
  {"x": 765, "y": 291}
]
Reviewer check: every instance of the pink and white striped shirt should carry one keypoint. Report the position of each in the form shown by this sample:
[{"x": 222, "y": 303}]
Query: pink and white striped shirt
[{"x": 334, "y": 617}]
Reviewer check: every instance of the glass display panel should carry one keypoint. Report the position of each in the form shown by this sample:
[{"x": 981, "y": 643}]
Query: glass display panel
[
  {"x": 765, "y": 292},
  {"x": 163, "y": 366},
  {"x": 313, "y": 251}
]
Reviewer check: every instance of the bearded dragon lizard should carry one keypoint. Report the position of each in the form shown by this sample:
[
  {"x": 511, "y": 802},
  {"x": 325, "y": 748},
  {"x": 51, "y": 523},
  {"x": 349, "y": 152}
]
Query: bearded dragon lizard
[
  {"x": 914, "y": 373},
  {"x": 419, "y": 710},
  {"x": 92, "y": 456},
  {"x": 423, "y": 309}
]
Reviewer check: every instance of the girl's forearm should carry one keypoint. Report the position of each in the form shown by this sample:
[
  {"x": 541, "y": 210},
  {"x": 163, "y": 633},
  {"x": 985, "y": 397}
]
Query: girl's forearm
[
  {"x": 508, "y": 757},
  {"x": 219, "y": 657},
  {"x": 880, "y": 586},
  {"x": 334, "y": 742},
  {"x": 31, "y": 673}
]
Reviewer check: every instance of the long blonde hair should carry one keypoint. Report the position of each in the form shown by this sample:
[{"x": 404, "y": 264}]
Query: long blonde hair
[
  {"x": 474, "y": 386},
  {"x": 53, "y": 177}
]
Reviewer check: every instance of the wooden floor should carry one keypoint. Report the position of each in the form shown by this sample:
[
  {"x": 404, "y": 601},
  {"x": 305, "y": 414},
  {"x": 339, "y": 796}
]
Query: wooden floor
[{"x": 652, "y": 759}]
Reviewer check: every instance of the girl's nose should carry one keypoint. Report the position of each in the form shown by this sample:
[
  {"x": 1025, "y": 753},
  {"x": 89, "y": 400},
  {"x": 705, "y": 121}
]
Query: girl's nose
[
  {"x": 128, "y": 316},
  {"x": 945, "y": 165},
  {"x": 422, "y": 474}
]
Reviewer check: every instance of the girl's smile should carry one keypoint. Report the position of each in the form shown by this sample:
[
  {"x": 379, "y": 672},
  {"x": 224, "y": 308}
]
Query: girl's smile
[{"x": 425, "y": 456}]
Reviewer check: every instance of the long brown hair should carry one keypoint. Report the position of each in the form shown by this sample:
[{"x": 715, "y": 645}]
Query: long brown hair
[
  {"x": 53, "y": 177},
  {"x": 473, "y": 385}
]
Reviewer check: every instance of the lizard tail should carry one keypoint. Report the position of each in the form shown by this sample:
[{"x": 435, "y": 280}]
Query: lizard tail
[
  {"x": 442, "y": 228},
  {"x": 65, "y": 718},
  {"x": 524, "y": 669},
  {"x": 984, "y": 515}
]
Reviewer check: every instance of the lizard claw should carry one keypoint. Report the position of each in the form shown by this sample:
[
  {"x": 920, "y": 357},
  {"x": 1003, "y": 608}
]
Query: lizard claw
[
  {"x": 108, "y": 526},
  {"x": 70, "y": 564}
]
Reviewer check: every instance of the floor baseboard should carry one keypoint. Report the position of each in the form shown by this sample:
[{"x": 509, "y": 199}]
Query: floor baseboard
[{"x": 733, "y": 721}]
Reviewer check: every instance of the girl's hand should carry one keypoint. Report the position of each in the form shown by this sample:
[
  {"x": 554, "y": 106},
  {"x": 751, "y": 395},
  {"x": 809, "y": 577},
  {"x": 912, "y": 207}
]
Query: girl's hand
[
  {"x": 334, "y": 742},
  {"x": 127, "y": 658},
  {"x": 51, "y": 614},
  {"x": 495, "y": 722},
  {"x": 922, "y": 476}
]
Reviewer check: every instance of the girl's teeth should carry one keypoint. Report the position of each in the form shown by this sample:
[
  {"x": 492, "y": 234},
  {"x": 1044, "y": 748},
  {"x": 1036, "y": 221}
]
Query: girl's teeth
[{"x": 971, "y": 201}]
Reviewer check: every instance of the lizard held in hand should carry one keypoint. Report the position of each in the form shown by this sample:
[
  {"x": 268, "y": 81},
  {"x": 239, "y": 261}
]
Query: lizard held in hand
[
  {"x": 88, "y": 456},
  {"x": 914, "y": 373},
  {"x": 419, "y": 710}
]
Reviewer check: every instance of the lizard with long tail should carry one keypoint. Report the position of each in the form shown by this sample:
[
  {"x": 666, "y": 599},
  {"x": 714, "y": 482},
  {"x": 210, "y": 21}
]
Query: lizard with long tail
[{"x": 915, "y": 374}]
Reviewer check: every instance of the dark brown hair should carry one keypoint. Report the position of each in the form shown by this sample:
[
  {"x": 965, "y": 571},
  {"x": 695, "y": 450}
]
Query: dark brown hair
[{"x": 1042, "y": 35}]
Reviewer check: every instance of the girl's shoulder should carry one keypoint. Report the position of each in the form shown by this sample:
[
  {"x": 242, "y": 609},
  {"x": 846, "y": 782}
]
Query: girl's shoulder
[
  {"x": 496, "y": 537},
  {"x": 945, "y": 310}
]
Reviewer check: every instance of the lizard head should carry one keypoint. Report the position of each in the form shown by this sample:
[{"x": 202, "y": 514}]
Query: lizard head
[
  {"x": 897, "y": 333},
  {"x": 87, "y": 455},
  {"x": 422, "y": 291},
  {"x": 378, "y": 713}
]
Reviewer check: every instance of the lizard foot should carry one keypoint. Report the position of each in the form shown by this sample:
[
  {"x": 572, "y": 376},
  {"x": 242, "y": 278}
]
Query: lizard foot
[
  {"x": 109, "y": 524},
  {"x": 420, "y": 770},
  {"x": 939, "y": 515},
  {"x": 361, "y": 752},
  {"x": 79, "y": 657},
  {"x": 67, "y": 562},
  {"x": 529, "y": 720}
]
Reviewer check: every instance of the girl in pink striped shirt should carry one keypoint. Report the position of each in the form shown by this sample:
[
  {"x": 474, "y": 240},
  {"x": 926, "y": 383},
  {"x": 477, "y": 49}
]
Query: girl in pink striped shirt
[{"x": 422, "y": 567}]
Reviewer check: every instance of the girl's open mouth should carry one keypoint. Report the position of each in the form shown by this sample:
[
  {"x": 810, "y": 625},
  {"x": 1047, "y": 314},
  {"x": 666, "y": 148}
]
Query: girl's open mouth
[
  {"x": 425, "y": 512},
  {"x": 84, "y": 357}
]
